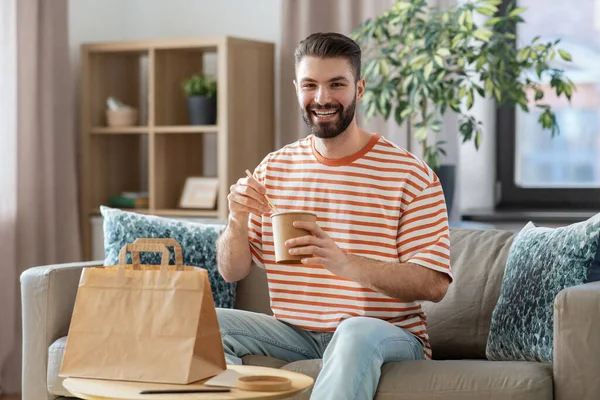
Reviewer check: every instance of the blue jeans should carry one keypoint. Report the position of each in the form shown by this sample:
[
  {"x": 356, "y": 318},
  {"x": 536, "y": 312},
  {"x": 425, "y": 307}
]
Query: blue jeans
[{"x": 352, "y": 356}]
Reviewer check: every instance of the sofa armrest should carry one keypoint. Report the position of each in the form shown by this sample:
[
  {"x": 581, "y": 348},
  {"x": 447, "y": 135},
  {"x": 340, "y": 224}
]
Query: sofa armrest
[
  {"x": 576, "y": 343},
  {"x": 47, "y": 299}
]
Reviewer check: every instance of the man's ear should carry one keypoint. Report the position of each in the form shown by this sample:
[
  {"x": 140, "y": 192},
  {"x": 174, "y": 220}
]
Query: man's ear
[
  {"x": 360, "y": 89},
  {"x": 295, "y": 86}
]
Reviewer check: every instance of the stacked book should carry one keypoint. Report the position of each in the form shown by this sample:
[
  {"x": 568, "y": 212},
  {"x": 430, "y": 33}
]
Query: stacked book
[{"x": 130, "y": 200}]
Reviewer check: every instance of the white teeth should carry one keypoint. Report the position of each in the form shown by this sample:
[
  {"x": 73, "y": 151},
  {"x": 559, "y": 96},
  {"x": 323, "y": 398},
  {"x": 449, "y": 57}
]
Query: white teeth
[{"x": 324, "y": 113}]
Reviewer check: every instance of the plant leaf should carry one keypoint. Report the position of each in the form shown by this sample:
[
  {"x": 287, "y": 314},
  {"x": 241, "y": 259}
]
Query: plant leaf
[
  {"x": 564, "y": 55},
  {"x": 443, "y": 51},
  {"x": 516, "y": 11},
  {"x": 428, "y": 69},
  {"x": 482, "y": 34},
  {"x": 421, "y": 134}
]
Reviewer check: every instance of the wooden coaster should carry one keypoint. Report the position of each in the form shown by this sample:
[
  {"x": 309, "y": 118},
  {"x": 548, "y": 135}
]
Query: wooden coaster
[{"x": 264, "y": 383}]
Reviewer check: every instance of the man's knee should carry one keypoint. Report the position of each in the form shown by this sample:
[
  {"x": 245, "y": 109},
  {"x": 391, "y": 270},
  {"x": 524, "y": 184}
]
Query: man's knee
[{"x": 358, "y": 332}]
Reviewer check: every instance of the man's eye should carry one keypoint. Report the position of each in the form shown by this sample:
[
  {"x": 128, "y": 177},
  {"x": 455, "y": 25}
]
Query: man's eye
[
  {"x": 308, "y": 85},
  {"x": 337, "y": 84}
]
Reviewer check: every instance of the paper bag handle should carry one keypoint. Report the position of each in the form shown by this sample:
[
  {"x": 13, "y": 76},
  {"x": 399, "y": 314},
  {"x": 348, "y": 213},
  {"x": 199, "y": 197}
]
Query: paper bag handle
[
  {"x": 167, "y": 242},
  {"x": 135, "y": 250}
]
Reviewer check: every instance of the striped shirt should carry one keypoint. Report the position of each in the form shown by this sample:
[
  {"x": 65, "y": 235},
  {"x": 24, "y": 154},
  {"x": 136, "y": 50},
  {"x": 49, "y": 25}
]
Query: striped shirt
[{"x": 382, "y": 202}]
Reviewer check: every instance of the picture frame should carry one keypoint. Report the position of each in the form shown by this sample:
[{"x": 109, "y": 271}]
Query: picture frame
[{"x": 199, "y": 192}]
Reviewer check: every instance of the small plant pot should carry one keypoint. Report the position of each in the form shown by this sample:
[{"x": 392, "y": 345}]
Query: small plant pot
[{"x": 202, "y": 110}]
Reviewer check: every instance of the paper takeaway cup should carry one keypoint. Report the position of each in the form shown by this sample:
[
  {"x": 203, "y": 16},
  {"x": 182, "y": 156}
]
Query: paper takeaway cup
[{"x": 283, "y": 230}]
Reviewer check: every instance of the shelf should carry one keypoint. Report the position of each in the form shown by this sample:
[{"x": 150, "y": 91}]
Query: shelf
[
  {"x": 103, "y": 130},
  {"x": 162, "y": 150},
  {"x": 187, "y": 213},
  {"x": 187, "y": 129},
  {"x": 167, "y": 213}
]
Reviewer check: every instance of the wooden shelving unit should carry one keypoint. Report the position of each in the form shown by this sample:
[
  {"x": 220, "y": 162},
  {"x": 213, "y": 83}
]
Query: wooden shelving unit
[{"x": 163, "y": 150}]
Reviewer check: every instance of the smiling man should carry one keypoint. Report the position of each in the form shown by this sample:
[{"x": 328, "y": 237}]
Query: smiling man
[{"x": 379, "y": 247}]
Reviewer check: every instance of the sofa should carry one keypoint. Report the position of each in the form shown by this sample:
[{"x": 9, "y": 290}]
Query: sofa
[{"x": 458, "y": 326}]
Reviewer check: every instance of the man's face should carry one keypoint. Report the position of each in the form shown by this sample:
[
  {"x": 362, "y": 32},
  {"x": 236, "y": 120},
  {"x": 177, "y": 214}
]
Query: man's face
[{"x": 327, "y": 94}]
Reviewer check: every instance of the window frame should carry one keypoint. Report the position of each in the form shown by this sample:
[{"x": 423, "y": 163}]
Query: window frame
[{"x": 511, "y": 196}]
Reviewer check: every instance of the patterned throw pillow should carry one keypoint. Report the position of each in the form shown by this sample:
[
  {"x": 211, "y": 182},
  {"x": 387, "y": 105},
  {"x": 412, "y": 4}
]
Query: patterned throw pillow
[
  {"x": 541, "y": 263},
  {"x": 197, "y": 245}
]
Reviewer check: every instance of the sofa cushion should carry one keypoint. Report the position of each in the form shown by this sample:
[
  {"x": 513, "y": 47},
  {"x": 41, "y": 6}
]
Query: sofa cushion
[
  {"x": 55, "y": 357},
  {"x": 458, "y": 326},
  {"x": 454, "y": 380},
  {"x": 198, "y": 243},
  {"x": 541, "y": 263}
]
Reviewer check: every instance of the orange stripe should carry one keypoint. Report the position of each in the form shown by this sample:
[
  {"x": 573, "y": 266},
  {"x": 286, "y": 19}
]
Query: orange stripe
[
  {"x": 304, "y": 274},
  {"x": 393, "y": 228},
  {"x": 375, "y": 253},
  {"x": 254, "y": 231},
  {"x": 430, "y": 261},
  {"x": 352, "y": 175},
  {"x": 441, "y": 210},
  {"x": 352, "y": 241},
  {"x": 296, "y": 162},
  {"x": 342, "y": 212},
  {"x": 302, "y": 318},
  {"x": 255, "y": 221},
  {"x": 342, "y": 306},
  {"x": 333, "y": 201},
  {"x": 330, "y": 191},
  {"x": 433, "y": 234},
  {"x": 256, "y": 254},
  {"x": 417, "y": 228},
  {"x": 315, "y": 311},
  {"x": 436, "y": 253},
  {"x": 332, "y": 296},
  {"x": 425, "y": 206},
  {"x": 322, "y": 285},
  {"x": 341, "y": 183},
  {"x": 418, "y": 248}
]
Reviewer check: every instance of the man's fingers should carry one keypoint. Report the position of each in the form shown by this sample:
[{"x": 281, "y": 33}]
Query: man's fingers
[
  {"x": 312, "y": 227},
  {"x": 301, "y": 241},
  {"x": 254, "y": 184},
  {"x": 308, "y": 250},
  {"x": 245, "y": 203}
]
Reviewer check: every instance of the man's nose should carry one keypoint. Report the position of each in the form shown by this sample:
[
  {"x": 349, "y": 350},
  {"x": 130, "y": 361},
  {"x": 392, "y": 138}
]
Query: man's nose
[{"x": 322, "y": 96}]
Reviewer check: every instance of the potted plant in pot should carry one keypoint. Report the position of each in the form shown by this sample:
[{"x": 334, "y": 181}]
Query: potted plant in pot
[
  {"x": 201, "y": 93},
  {"x": 420, "y": 62}
]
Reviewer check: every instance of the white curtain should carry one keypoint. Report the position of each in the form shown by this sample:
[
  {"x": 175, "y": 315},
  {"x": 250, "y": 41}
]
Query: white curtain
[
  {"x": 8, "y": 183},
  {"x": 38, "y": 191}
]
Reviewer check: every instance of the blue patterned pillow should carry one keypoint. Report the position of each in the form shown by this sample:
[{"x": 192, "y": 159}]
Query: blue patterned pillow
[
  {"x": 541, "y": 263},
  {"x": 197, "y": 244}
]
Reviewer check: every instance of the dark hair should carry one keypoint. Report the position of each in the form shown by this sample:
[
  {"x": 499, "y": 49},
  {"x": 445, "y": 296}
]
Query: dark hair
[{"x": 330, "y": 45}]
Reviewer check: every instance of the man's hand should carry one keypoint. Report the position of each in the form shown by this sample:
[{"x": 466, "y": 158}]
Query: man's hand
[
  {"x": 319, "y": 249},
  {"x": 406, "y": 282},
  {"x": 245, "y": 197}
]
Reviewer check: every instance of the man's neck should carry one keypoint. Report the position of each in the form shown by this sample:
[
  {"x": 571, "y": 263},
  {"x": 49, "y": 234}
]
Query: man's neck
[{"x": 349, "y": 142}]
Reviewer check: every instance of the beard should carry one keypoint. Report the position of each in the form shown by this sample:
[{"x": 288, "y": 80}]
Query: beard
[{"x": 329, "y": 129}]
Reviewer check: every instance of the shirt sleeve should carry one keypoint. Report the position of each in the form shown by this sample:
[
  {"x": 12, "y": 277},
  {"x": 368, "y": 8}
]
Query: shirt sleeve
[
  {"x": 255, "y": 222},
  {"x": 423, "y": 235}
]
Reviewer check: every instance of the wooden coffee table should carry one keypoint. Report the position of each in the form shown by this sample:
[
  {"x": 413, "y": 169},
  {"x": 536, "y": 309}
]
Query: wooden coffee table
[{"x": 100, "y": 389}]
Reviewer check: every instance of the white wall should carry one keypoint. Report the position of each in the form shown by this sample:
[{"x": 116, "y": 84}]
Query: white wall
[
  {"x": 108, "y": 20},
  {"x": 116, "y": 20}
]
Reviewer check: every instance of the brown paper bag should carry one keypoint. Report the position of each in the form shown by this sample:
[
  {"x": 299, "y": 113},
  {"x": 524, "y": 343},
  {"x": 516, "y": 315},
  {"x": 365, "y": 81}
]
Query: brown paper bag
[{"x": 144, "y": 323}]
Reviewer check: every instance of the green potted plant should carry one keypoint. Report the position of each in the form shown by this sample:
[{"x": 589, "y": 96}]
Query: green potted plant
[
  {"x": 420, "y": 62},
  {"x": 201, "y": 93}
]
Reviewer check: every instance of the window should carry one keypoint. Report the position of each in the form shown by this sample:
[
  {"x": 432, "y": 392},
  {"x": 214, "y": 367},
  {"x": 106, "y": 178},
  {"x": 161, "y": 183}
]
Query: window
[{"x": 534, "y": 169}]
